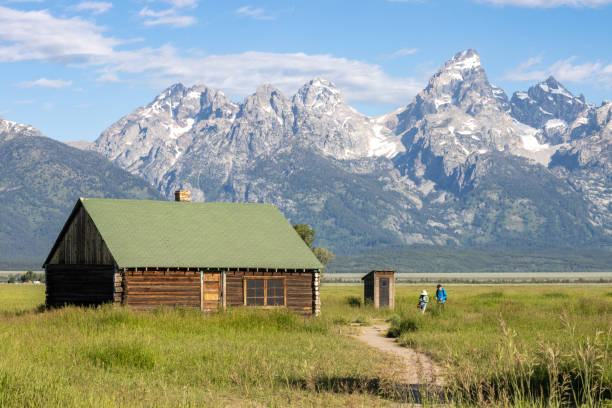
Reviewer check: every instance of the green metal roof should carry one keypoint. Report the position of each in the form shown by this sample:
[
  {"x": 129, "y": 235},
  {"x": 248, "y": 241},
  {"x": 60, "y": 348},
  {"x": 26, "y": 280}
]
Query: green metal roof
[{"x": 142, "y": 233}]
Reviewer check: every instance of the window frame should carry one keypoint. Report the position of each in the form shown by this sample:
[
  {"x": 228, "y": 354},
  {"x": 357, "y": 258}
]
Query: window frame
[{"x": 265, "y": 279}]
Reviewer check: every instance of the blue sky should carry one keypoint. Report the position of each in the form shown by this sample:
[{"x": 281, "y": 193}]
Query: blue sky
[{"x": 72, "y": 68}]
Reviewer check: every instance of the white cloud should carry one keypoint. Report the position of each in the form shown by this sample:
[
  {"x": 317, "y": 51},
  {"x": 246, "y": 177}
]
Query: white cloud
[
  {"x": 241, "y": 74},
  {"x": 46, "y": 83},
  {"x": 562, "y": 70},
  {"x": 36, "y": 35},
  {"x": 256, "y": 13},
  {"x": 548, "y": 3},
  {"x": 169, "y": 17},
  {"x": 182, "y": 3},
  {"x": 94, "y": 7},
  {"x": 77, "y": 43},
  {"x": 405, "y": 51}
]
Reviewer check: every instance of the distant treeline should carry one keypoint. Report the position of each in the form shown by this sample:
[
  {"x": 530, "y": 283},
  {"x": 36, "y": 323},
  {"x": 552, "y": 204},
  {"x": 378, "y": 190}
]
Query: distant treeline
[
  {"x": 446, "y": 259},
  {"x": 28, "y": 276}
]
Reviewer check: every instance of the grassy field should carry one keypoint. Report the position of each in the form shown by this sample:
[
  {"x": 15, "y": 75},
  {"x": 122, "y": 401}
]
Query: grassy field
[{"x": 531, "y": 345}]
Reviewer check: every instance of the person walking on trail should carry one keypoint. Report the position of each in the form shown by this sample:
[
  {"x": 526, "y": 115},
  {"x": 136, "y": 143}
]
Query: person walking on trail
[
  {"x": 441, "y": 295},
  {"x": 423, "y": 300}
]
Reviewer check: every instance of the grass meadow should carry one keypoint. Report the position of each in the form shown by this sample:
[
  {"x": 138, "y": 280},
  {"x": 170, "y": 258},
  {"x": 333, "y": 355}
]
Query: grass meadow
[{"x": 531, "y": 345}]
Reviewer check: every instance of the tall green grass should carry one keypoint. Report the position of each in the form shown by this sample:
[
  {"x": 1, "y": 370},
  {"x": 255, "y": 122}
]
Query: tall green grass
[
  {"x": 110, "y": 356},
  {"x": 536, "y": 346},
  {"x": 516, "y": 346}
]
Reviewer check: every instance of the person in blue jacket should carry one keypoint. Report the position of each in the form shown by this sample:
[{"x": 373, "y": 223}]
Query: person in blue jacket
[{"x": 441, "y": 295}]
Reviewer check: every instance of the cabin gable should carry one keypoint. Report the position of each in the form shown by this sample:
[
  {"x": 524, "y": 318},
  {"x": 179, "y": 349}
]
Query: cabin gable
[{"x": 80, "y": 243}]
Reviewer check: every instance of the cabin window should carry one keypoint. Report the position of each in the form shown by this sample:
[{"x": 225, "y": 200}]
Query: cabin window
[{"x": 264, "y": 291}]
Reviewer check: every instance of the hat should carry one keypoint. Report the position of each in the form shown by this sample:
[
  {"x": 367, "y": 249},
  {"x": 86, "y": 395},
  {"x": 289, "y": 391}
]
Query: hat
[{"x": 424, "y": 293}]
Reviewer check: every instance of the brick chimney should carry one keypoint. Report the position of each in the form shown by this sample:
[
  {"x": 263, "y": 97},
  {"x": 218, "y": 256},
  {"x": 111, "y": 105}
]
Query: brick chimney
[{"x": 182, "y": 195}]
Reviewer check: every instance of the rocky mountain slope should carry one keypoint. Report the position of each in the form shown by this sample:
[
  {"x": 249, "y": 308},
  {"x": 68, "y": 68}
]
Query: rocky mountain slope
[
  {"x": 40, "y": 181},
  {"x": 461, "y": 164}
]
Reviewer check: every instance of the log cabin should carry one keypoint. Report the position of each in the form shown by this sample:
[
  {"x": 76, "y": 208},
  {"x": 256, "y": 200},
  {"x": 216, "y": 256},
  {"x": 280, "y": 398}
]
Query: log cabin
[{"x": 146, "y": 254}]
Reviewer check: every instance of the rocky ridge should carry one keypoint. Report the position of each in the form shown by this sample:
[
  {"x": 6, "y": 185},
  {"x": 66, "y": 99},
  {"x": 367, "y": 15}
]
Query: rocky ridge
[{"x": 421, "y": 174}]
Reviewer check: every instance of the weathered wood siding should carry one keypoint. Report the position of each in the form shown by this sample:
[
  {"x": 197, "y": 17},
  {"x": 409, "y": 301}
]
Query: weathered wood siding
[
  {"x": 147, "y": 289},
  {"x": 81, "y": 244},
  {"x": 84, "y": 285},
  {"x": 300, "y": 293},
  {"x": 368, "y": 289}
]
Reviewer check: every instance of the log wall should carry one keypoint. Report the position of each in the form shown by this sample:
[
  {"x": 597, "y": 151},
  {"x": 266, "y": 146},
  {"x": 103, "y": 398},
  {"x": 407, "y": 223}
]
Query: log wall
[
  {"x": 81, "y": 243},
  {"x": 84, "y": 285},
  {"x": 148, "y": 289},
  {"x": 300, "y": 298}
]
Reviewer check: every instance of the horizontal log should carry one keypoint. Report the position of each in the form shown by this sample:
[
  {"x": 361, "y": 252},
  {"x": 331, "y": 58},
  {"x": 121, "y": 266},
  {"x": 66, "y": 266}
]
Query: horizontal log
[
  {"x": 79, "y": 293},
  {"x": 162, "y": 278},
  {"x": 148, "y": 308},
  {"x": 164, "y": 288},
  {"x": 162, "y": 300},
  {"x": 164, "y": 283},
  {"x": 163, "y": 296},
  {"x": 155, "y": 304},
  {"x": 163, "y": 274},
  {"x": 71, "y": 282}
]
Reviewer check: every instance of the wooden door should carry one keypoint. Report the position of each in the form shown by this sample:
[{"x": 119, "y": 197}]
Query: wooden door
[
  {"x": 210, "y": 290},
  {"x": 383, "y": 294}
]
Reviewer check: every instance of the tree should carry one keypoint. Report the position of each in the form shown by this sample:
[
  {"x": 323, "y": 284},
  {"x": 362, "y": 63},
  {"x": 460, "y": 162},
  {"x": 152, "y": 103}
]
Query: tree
[
  {"x": 306, "y": 233},
  {"x": 323, "y": 255},
  {"x": 28, "y": 276},
  {"x": 308, "y": 236},
  {"x": 11, "y": 279}
]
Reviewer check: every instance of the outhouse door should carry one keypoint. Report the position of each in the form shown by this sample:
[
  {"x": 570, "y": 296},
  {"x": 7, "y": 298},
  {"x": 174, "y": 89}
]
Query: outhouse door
[
  {"x": 210, "y": 290},
  {"x": 383, "y": 294}
]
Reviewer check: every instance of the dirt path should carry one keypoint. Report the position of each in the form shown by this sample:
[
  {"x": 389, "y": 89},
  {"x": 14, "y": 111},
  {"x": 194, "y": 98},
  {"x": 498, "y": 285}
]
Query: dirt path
[{"x": 419, "y": 368}]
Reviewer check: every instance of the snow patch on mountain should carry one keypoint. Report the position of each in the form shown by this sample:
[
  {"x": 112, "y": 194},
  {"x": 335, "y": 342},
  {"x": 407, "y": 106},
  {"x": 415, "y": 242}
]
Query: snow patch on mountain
[{"x": 176, "y": 131}]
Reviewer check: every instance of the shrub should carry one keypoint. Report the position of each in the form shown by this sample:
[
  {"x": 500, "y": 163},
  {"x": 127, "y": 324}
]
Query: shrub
[
  {"x": 353, "y": 301},
  {"x": 401, "y": 325}
]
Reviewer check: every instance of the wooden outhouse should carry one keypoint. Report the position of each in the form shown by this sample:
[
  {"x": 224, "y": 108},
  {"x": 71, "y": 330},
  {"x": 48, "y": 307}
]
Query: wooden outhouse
[
  {"x": 144, "y": 254},
  {"x": 379, "y": 288}
]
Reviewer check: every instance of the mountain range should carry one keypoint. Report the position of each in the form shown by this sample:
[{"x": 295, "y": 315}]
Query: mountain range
[{"x": 460, "y": 165}]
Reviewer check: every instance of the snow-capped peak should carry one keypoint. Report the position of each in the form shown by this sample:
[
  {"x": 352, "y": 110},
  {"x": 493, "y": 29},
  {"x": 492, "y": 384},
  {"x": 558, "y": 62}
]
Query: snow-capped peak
[
  {"x": 321, "y": 95},
  {"x": 551, "y": 85},
  {"x": 319, "y": 86},
  {"x": 464, "y": 60},
  {"x": 322, "y": 83}
]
